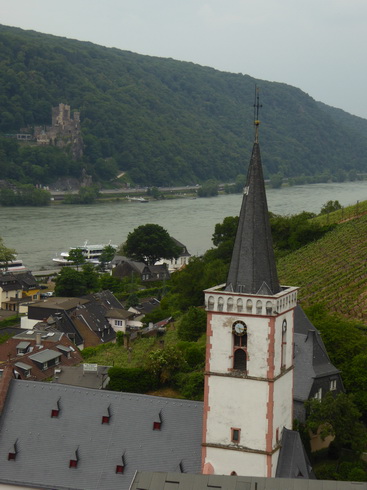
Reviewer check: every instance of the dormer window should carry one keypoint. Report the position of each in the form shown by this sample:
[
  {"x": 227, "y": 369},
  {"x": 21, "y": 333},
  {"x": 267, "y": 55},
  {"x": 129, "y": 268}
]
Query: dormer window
[
  {"x": 23, "y": 348},
  {"x": 73, "y": 462},
  {"x": 12, "y": 454},
  {"x": 55, "y": 411},
  {"x": 157, "y": 424},
  {"x": 107, "y": 416},
  {"x": 120, "y": 468}
]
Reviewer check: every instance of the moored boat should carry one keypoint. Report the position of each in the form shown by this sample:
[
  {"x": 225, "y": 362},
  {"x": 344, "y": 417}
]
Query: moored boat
[{"x": 91, "y": 254}]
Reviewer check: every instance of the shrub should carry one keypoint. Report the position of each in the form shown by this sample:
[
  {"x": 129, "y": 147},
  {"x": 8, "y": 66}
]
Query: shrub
[
  {"x": 191, "y": 385},
  {"x": 132, "y": 380}
]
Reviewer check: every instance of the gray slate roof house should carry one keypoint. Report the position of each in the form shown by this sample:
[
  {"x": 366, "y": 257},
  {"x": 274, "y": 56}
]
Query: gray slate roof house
[
  {"x": 314, "y": 374},
  {"x": 124, "y": 267},
  {"x": 180, "y": 481},
  {"x": 63, "y": 437}
]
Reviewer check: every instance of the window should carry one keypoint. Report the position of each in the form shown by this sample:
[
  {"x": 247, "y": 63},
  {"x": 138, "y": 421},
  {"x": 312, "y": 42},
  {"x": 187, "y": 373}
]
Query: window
[
  {"x": 318, "y": 394},
  {"x": 210, "y": 303},
  {"x": 220, "y": 303},
  {"x": 240, "y": 360},
  {"x": 54, "y": 413},
  {"x": 249, "y": 306},
  {"x": 157, "y": 425},
  {"x": 73, "y": 463},
  {"x": 120, "y": 469},
  {"x": 284, "y": 344},
  {"x": 230, "y": 304},
  {"x": 45, "y": 366},
  {"x": 107, "y": 415},
  {"x": 239, "y": 330},
  {"x": 333, "y": 385},
  {"x": 259, "y": 307},
  {"x": 12, "y": 456},
  {"x": 118, "y": 323},
  {"x": 235, "y": 435},
  {"x": 269, "y": 308},
  {"x": 239, "y": 305}
]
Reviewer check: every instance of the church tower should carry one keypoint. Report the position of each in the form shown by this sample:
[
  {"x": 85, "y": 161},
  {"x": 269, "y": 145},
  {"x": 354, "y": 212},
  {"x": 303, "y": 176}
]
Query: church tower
[{"x": 248, "y": 397}]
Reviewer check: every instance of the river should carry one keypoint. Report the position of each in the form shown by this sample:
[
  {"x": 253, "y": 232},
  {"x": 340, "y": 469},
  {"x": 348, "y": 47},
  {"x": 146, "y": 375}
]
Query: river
[{"x": 38, "y": 234}]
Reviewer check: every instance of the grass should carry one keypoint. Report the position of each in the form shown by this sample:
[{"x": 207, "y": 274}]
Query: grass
[{"x": 135, "y": 356}]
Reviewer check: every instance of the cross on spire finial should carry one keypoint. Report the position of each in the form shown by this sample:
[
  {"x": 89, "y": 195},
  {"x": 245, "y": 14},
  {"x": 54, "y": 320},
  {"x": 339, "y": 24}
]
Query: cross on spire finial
[{"x": 257, "y": 106}]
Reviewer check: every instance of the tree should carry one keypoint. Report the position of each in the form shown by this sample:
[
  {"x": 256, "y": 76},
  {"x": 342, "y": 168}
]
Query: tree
[
  {"x": 338, "y": 417},
  {"x": 330, "y": 206},
  {"x": 107, "y": 255},
  {"x": 90, "y": 277},
  {"x": 76, "y": 256},
  {"x": 70, "y": 282},
  {"x": 192, "y": 324},
  {"x": 149, "y": 243},
  {"x": 6, "y": 254}
]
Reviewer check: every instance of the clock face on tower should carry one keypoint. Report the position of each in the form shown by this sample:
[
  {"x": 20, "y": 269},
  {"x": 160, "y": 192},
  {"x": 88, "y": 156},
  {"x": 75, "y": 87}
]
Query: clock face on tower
[{"x": 239, "y": 328}]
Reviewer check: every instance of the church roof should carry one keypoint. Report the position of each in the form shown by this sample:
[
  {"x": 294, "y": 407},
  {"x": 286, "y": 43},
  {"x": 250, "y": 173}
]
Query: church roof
[
  {"x": 252, "y": 268},
  {"x": 45, "y": 444},
  {"x": 311, "y": 360},
  {"x": 293, "y": 461}
]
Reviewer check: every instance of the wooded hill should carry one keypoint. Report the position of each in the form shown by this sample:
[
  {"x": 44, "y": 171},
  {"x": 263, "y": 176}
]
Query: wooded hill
[{"x": 162, "y": 121}]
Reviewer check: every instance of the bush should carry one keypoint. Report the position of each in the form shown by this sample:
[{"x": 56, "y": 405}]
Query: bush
[
  {"x": 191, "y": 385},
  {"x": 192, "y": 324},
  {"x": 326, "y": 471},
  {"x": 132, "y": 380},
  {"x": 193, "y": 353}
]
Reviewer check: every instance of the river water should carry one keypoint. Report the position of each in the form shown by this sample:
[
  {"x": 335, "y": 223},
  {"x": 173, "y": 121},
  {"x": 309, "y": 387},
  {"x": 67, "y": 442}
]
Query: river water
[{"x": 38, "y": 234}]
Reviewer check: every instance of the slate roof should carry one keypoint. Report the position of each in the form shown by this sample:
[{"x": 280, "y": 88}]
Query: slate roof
[
  {"x": 252, "y": 269},
  {"x": 63, "y": 323},
  {"x": 180, "y": 481},
  {"x": 78, "y": 376},
  {"x": 46, "y": 444},
  {"x": 311, "y": 360},
  {"x": 293, "y": 461},
  {"x": 50, "y": 349}
]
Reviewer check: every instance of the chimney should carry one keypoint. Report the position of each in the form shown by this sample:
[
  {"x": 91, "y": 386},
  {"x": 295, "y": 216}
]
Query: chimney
[{"x": 38, "y": 338}]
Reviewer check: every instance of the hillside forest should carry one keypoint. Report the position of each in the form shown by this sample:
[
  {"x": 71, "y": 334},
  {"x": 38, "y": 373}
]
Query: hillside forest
[{"x": 160, "y": 122}]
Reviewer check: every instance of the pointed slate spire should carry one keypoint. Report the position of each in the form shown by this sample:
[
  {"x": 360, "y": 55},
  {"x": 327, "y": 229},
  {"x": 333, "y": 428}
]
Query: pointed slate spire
[{"x": 253, "y": 268}]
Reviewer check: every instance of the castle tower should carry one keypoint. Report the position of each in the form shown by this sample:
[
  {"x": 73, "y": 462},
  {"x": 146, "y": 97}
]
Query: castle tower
[{"x": 248, "y": 397}]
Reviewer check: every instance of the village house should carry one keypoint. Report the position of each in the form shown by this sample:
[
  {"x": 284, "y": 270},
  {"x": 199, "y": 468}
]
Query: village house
[
  {"x": 123, "y": 267},
  {"x": 17, "y": 289}
]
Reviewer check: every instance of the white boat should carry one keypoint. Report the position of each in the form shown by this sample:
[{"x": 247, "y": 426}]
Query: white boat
[
  {"x": 91, "y": 253},
  {"x": 15, "y": 265},
  {"x": 137, "y": 199}
]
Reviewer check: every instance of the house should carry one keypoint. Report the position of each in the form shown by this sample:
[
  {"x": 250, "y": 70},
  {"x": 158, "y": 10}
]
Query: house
[
  {"x": 145, "y": 480},
  {"x": 123, "y": 267},
  {"x": 89, "y": 320},
  {"x": 182, "y": 259},
  {"x": 314, "y": 373},
  {"x": 17, "y": 288},
  {"x": 34, "y": 355}
]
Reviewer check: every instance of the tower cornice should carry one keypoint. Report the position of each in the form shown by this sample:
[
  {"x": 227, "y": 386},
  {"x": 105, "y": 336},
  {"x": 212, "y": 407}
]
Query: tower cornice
[{"x": 220, "y": 300}]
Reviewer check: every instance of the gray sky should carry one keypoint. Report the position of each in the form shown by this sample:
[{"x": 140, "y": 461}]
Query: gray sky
[{"x": 315, "y": 45}]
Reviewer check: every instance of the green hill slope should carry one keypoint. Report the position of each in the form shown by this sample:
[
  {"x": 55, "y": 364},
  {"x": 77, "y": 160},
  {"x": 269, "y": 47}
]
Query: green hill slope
[
  {"x": 332, "y": 270},
  {"x": 164, "y": 121}
]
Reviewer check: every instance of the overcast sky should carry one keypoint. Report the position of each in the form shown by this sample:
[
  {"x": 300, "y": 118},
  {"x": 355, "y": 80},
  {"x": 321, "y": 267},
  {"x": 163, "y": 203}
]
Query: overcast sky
[{"x": 318, "y": 46}]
